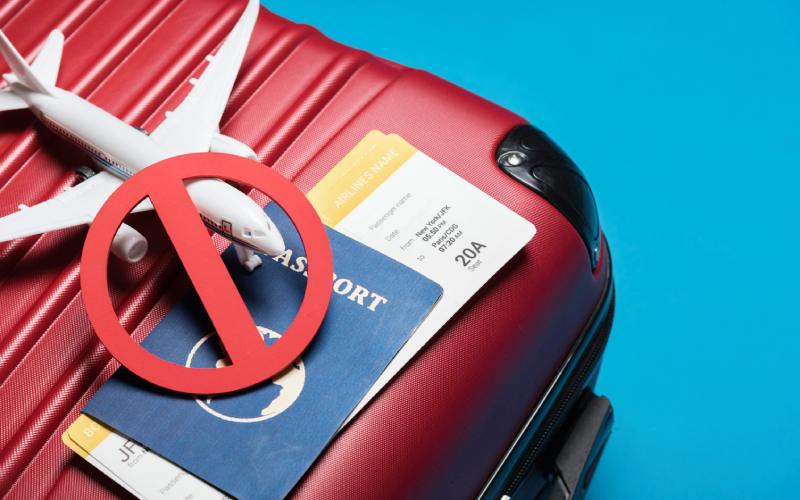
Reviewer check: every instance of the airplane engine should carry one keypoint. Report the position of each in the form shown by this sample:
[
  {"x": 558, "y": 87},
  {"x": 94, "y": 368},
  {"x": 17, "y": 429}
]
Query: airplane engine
[
  {"x": 129, "y": 244},
  {"x": 225, "y": 144}
]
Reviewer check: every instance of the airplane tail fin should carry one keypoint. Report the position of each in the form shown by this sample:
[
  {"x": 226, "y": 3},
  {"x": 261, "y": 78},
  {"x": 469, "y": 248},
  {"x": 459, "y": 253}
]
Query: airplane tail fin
[
  {"x": 42, "y": 74},
  {"x": 47, "y": 63}
]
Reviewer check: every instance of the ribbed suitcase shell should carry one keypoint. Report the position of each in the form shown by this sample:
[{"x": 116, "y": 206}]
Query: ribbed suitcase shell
[{"x": 301, "y": 101}]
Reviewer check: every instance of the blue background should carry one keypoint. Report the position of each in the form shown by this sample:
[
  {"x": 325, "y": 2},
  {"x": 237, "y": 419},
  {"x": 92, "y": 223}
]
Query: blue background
[{"x": 684, "y": 117}]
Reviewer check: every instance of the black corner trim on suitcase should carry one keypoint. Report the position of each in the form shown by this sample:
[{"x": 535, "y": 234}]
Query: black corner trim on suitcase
[{"x": 532, "y": 158}]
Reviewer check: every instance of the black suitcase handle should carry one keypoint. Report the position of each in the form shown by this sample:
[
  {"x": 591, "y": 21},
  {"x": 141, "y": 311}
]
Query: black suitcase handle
[{"x": 577, "y": 459}]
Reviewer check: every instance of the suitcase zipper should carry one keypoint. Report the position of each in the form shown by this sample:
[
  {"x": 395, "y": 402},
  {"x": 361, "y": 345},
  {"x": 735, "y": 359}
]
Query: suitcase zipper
[{"x": 574, "y": 388}]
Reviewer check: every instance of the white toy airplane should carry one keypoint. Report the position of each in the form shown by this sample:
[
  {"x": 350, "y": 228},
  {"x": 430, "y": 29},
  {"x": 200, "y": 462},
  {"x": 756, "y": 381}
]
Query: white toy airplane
[{"x": 121, "y": 150}]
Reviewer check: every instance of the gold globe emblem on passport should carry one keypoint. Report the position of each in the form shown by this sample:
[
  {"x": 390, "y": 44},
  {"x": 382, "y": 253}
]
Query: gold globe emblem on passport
[{"x": 258, "y": 403}]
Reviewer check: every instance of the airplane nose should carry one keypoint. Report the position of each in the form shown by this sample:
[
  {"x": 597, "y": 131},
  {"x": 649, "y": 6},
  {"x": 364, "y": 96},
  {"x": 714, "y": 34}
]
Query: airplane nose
[{"x": 272, "y": 242}]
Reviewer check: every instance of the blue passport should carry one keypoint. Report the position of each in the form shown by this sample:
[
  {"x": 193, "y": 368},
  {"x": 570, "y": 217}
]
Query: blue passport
[{"x": 258, "y": 443}]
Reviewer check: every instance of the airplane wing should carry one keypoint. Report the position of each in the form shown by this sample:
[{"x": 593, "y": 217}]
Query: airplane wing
[
  {"x": 73, "y": 207},
  {"x": 190, "y": 127}
]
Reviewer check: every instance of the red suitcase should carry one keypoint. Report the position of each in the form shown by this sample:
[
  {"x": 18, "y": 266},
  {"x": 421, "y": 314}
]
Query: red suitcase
[{"x": 499, "y": 403}]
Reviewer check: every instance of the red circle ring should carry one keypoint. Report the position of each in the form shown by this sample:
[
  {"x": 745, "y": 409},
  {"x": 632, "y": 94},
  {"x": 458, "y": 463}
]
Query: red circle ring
[{"x": 260, "y": 365}]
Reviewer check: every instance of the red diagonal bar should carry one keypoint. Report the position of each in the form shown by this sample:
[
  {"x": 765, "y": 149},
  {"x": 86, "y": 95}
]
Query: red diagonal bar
[{"x": 208, "y": 274}]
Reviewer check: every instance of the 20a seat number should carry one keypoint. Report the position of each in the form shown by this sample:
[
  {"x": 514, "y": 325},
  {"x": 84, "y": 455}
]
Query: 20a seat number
[{"x": 470, "y": 254}]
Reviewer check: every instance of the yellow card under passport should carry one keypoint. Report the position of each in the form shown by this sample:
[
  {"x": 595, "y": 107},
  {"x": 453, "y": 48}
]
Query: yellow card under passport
[{"x": 143, "y": 473}]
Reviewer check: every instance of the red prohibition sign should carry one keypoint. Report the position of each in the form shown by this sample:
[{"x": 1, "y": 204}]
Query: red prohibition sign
[{"x": 252, "y": 361}]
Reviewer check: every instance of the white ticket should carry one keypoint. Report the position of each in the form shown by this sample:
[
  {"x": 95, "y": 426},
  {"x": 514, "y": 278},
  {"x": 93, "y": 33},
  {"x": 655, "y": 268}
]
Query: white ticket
[
  {"x": 399, "y": 201},
  {"x": 140, "y": 471}
]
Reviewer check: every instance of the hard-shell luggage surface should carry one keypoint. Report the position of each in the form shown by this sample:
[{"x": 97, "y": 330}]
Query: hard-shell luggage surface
[{"x": 500, "y": 402}]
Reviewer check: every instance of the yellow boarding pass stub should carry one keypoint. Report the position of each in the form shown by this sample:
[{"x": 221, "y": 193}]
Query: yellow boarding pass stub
[
  {"x": 137, "y": 469},
  {"x": 83, "y": 436},
  {"x": 399, "y": 201},
  {"x": 357, "y": 175}
]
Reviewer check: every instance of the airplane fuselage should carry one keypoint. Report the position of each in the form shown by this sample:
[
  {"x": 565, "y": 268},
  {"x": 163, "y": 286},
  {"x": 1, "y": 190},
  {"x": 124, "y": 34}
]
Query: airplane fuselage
[
  {"x": 113, "y": 144},
  {"x": 123, "y": 150}
]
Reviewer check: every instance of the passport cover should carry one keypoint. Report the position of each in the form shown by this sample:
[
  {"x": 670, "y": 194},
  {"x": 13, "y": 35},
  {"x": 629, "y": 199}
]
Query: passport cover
[{"x": 259, "y": 442}]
